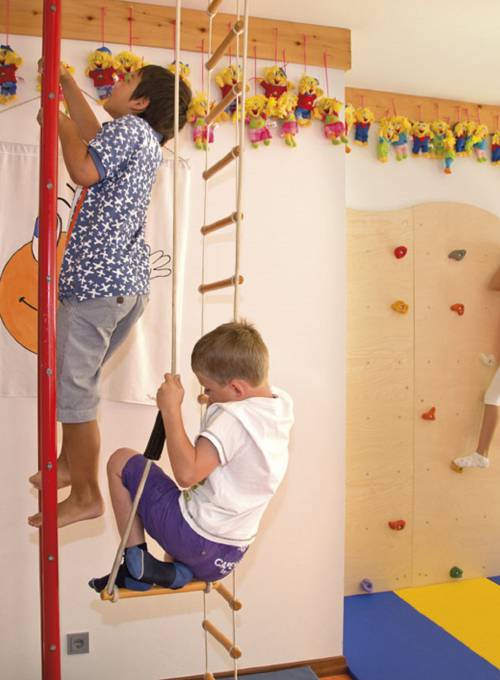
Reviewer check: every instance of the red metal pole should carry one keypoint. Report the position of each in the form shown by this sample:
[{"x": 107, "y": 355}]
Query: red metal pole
[{"x": 47, "y": 440}]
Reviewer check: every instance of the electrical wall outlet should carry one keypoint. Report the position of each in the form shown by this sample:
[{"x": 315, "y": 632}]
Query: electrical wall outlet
[{"x": 78, "y": 643}]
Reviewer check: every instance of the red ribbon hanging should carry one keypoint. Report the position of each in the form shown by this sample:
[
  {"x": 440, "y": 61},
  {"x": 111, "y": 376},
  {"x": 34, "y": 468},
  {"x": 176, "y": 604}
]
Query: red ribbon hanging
[
  {"x": 255, "y": 69},
  {"x": 229, "y": 27},
  {"x": 130, "y": 19},
  {"x": 325, "y": 62},
  {"x": 7, "y": 21},
  {"x": 276, "y": 45},
  {"x": 305, "y": 52},
  {"x": 103, "y": 14},
  {"x": 203, "y": 66}
]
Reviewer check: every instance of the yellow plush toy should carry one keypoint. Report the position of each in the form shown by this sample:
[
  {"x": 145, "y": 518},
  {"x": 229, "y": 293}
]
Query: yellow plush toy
[
  {"x": 184, "y": 71},
  {"x": 102, "y": 68},
  {"x": 364, "y": 119},
  {"x": 309, "y": 91},
  {"x": 10, "y": 61},
  {"x": 463, "y": 132},
  {"x": 479, "y": 141},
  {"x": 422, "y": 137},
  {"x": 386, "y": 135},
  {"x": 198, "y": 110},
  {"x": 127, "y": 62},
  {"x": 327, "y": 109},
  {"x": 226, "y": 80},
  {"x": 495, "y": 149},
  {"x": 275, "y": 83},
  {"x": 401, "y": 138},
  {"x": 349, "y": 119},
  {"x": 285, "y": 110},
  {"x": 257, "y": 110},
  {"x": 443, "y": 144}
]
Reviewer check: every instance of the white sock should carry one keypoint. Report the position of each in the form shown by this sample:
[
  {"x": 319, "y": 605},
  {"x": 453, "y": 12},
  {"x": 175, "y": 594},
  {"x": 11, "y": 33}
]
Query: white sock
[{"x": 475, "y": 460}]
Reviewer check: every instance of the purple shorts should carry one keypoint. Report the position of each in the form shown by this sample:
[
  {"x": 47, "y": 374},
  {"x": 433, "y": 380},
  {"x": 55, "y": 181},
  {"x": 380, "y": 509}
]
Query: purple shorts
[{"x": 162, "y": 518}]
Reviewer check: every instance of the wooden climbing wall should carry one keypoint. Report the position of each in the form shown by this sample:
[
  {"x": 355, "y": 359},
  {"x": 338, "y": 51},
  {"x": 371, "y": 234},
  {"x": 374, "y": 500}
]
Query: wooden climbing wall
[{"x": 400, "y": 365}]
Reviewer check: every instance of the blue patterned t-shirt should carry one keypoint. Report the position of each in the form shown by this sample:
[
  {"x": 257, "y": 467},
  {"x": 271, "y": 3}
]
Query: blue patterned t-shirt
[{"x": 106, "y": 252}]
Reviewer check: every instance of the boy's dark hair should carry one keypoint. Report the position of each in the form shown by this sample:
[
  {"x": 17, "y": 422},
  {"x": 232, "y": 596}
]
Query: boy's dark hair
[
  {"x": 158, "y": 85},
  {"x": 233, "y": 350}
]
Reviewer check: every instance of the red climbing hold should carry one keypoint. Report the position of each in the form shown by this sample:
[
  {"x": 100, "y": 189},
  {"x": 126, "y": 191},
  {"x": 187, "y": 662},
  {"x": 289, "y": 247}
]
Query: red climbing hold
[
  {"x": 397, "y": 524},
  {"x": 430, "y": 414},
  {"x": 400, "y": 251},
  {"x": 458, "y": 308}
]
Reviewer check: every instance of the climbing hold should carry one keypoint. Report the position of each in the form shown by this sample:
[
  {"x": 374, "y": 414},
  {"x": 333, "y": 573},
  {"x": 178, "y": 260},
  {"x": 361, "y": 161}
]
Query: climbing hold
[
  {"x": 366, "y": 585},
  {"x": 430, "y": 414},
  {"x": 400, "y": 251},
  {"x": 397, "y": 525},
  {"x": 400, "y": 306},
  {"x": 488, "y": 359},
  {"x": 457, "y": 255},
  {"x": 456, "y": 572},
  {"x": 458, "y": 308}
]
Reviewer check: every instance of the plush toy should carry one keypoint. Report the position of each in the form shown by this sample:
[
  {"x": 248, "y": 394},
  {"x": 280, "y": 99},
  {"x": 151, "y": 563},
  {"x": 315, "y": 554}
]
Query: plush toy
[
  {"x": 463, "y": 132},
  {"x": 401, "y": 137},
  {"x": 443, "y": 144},
  {"x": 102, "y": 69},
  {"x": 422, "y": 137},
  {"x": 285, "y": 110},
  {"x": 198, "y": 110},
  {"x": 479, "y": 142},
  {"x": 226, "y": 80},
  {"x": 327, "y": 109},
  {"x": 495, "y": 149},
  {"x": 349, "y": 119},
  {"x": 68, "y": 68},
  {"x": 275, "y": 83},
  {"x": 127, "y": 62},
  {"x": 309, "y": 91},
  {"x": 10, "y": 61},
  {"x": 184, "y": 71},
  {"x": 257, "y": 110},
  {"x": 364, "y": 118},
  {"x": 386, "y": 135}
]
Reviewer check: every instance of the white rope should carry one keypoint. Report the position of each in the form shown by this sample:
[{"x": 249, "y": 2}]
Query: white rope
[{"x": 110, "y": 587}]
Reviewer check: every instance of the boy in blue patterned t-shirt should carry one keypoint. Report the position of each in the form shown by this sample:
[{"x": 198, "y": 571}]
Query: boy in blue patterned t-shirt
[{"x": 104, "y": 279}]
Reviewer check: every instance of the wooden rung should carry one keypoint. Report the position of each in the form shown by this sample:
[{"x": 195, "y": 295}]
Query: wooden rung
[
  {"x": 231, "y": 156},
  {"x": 194, "y": 586},
  {"x": 233, "y": 602},
  {"x": 216, "y": 285},
  {"x": 219, "y": 52},
  {"x": 213, "y": 7},
  {"x": 234, "y": 92},
  {"x": 234, "y": 650},
  {"x": 224, "y": 222}
]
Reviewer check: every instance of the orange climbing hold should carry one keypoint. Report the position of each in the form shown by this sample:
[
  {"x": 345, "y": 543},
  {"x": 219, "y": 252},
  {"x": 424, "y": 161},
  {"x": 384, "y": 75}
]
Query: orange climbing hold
[
  {"x": 458, "y": 308},
  {"x": 430, "y": 414},
  {"x": 397, "y": 525},
  {"x": 400, "y": 306}
]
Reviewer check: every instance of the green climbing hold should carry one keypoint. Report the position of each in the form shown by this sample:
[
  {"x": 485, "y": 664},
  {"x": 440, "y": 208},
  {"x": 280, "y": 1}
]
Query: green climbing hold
[{"x": 456, "y": 572}]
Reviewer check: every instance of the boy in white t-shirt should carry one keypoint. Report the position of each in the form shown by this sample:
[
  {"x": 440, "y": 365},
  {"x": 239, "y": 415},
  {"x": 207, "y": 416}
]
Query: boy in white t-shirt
[{"x": 229, "y": 475}]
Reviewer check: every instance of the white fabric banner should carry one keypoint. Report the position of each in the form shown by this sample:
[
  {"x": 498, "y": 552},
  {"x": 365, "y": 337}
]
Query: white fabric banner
[{"x": 135, "y": 371}]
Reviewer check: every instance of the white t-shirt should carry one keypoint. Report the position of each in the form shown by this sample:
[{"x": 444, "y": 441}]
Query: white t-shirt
[{"x": 251, "y": 437}]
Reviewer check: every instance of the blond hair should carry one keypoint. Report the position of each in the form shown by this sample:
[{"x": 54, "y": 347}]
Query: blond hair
[{"x": 233, "y": 350}]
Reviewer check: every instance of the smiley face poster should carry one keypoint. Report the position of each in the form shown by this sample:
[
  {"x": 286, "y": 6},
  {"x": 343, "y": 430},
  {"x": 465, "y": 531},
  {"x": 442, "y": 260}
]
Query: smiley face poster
[{"x": 132, "y": 373}]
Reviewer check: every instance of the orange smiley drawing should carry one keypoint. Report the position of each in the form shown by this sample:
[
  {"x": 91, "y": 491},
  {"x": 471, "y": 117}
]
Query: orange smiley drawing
[{"x": 19, "y": 288}]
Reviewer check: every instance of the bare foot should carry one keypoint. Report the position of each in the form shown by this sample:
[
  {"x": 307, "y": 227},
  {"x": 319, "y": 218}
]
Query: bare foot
[
  {"x": 72, "y": 510},
  {"x": 63, "y": 478}
]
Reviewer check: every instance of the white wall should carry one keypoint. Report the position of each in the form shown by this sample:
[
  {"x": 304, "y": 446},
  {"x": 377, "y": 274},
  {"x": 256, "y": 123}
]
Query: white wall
[{"x": 292, "y": 580}]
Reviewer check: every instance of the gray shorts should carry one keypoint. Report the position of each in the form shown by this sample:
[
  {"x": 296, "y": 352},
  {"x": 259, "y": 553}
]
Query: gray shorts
[{"x": 88, "y": 333}]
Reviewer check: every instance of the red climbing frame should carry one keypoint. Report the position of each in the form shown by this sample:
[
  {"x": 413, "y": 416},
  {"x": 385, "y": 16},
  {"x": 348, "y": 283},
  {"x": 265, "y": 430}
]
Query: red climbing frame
[{"x": 47, "y": 444}]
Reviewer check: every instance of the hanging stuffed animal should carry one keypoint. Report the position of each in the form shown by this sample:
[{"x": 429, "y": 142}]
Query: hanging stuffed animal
[
  {"x": 198, "y": 110},
  {"x": 495, "y": 149},
  {"x": 102, "y": 69},
  {"x": 184, "y": 72},
  {"x": 364, "y": 119},
  {"x": 443, "y": 144},
  {"x": 401, "y": 139},
  {"x": 466, "y": 142},
  {"x": 327, "y": 109},
  {"x": 285, "y": 110},
  {"x": 10, "y": 61},
  {"x": 479, "y": 142},
  {"x": 274, "y": 82},
  {"x": 386, "y": 135},
  {"x": 127, "y": 62},
  {"x": 422, "y": 136},
  {"x": 226, "y": 80},
  {"x": 257, "y": 111},
  {"x": 349, "y": 119},
  {"x": 309, "y": 91},
  {"x": 460, "y": 132},
  {"x": 68, "y": 68}
]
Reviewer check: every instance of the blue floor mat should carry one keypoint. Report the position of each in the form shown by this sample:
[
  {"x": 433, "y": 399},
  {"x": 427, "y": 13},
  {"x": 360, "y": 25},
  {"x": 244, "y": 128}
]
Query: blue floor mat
[{"x": 386, "y": 639}]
